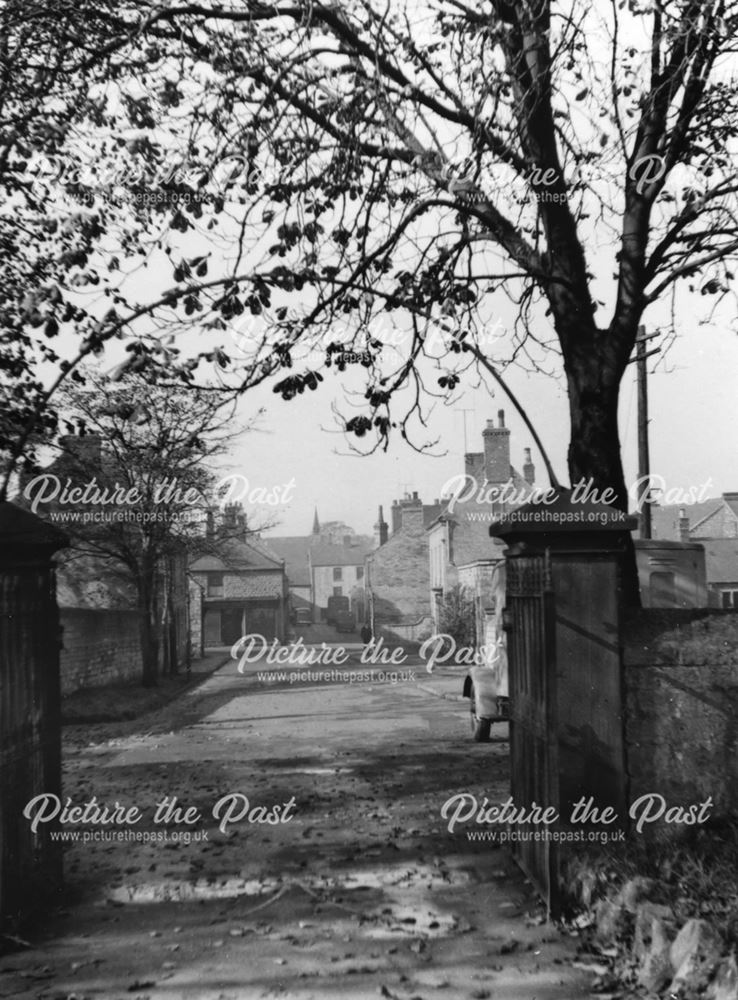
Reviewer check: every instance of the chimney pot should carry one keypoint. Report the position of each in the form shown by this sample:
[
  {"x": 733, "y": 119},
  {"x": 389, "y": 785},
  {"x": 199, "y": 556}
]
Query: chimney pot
[
  {"x": 529, "y": 470},
  {"x": 501, "y": 418},
  {"x": 381, "y": 529}
]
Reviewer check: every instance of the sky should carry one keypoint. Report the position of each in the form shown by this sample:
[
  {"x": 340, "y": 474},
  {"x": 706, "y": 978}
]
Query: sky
[
  {"x": 693, "y": 422},
  {"x": 297, "y": 450}
]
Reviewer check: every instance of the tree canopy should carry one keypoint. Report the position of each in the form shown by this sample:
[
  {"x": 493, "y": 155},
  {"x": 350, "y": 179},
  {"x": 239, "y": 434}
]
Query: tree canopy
[
  {"x": 246, "y": 191},
  {"x": 133, "y": 486}
]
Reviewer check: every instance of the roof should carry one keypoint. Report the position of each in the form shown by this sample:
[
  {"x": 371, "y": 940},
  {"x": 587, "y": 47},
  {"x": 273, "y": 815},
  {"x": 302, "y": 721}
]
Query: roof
[
  {"x": 665, "y": 520},
  {"x": 237, "y": 555},
  {"x": 294, "y": 550},
  {"x": 352, "y": 554},
  {"x": 721, "y": 559},
  {"x": 20, "y": 527},
  {"x": 431, "y": 512},
  {"x": 731, "y": 500}
]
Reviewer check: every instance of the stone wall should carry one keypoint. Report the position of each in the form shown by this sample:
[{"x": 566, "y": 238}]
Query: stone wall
[
  {"x": 681, "y": 727},
  {"x": 399, "y": 577},
  {"x": 99, "y": 647}
]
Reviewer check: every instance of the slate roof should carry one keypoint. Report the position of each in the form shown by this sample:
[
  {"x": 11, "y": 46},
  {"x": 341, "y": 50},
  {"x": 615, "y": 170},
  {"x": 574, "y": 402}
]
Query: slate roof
[
  {"x": 721, "y": 559},
  {"x": 325, "y": 554},
  {"x": 665, "y": 520},
  {"x": 294, "y": 550},
  {"x": 237, "y": 555}
]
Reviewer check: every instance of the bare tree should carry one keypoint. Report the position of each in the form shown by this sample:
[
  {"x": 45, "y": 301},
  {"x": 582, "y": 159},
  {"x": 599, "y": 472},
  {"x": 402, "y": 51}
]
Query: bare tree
[
  {"x": 361, "y": 167},
  {"x": 137, "y": 503}
]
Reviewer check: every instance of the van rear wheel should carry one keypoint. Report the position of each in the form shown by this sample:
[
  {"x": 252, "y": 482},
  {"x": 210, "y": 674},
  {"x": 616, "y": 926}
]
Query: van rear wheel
[{"x": 480, "y": 727}]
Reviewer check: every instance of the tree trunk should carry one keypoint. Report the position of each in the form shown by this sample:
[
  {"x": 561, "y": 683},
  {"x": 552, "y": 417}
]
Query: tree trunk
[
  {"x": 148, "y": 633},
  {"x": 594, "y": 448}
]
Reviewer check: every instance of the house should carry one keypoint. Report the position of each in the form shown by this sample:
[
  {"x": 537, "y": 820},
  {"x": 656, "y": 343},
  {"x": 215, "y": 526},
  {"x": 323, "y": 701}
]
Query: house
[
  {"x": 721, "y": 556},
  {"x": 713, "y": 524},
  {"x": 461, "y": 553},
  {"x": 397, "y": 579},
  {"x": 327, "y": 562},
  {"x": 238, "y": 587},
  {"x": 436, "y": 547},
  {"x": 338, "y": 571}
]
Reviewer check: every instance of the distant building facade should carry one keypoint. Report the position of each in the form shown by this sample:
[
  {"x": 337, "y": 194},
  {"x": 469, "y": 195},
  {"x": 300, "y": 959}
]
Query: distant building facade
[
  {"x": 460, "y": 551},
  {"x": 327, "y": 562},
  {"x": 712, "y": 524},
  {"x": 239, "y": 588},
  {"x": 397, "y": 572}
]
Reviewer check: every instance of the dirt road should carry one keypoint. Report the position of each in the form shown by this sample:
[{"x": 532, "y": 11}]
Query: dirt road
[{"x": 338, "y": 878}]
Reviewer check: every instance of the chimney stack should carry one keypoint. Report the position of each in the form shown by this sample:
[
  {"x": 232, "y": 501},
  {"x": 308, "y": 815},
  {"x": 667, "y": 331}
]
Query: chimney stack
[
  {"x": 396, "y": 515},
  {"x": 411, "y": 515},
  {"x": 683, "y": 525},
  {"x": 234, "y": 518},
  {"x": 529, "y": 470},
  {"x": 497, "y": 451},
  {"x": 381, "y": 530}
]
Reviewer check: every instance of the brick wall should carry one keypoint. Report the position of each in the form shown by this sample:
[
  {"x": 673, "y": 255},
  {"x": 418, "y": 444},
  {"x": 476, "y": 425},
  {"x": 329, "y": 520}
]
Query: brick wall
[
  {"x": 681, "y": 729},
  {"x": 99, "y": 647}
]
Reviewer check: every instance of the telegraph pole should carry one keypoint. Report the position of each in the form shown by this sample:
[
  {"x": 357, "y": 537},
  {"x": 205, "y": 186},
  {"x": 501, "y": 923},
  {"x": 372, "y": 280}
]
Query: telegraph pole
[{"x": 644, "y": 461}]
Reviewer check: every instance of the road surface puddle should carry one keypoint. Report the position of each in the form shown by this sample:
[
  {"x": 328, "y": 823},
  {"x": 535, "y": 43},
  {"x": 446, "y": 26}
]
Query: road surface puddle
[
  {"x": 407, "y": 876},
  {"x": 319, "y": 770},
  {"x": 389, "y": 900},
  {"x": 176, "y": 890}
]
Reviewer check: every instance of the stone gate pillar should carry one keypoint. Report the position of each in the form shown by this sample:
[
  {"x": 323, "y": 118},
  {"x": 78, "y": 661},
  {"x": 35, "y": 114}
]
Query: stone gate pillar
[
  {"x": 563, "y": 605},
  {"x": 30, "y": 726}
]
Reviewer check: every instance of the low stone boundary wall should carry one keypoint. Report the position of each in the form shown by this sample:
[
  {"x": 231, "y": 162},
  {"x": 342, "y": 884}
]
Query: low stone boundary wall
[{"x": 681, "y": 725}]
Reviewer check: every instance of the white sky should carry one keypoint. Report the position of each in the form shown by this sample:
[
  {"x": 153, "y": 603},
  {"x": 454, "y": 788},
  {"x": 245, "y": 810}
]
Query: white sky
[{"x": 694, "y": 418}]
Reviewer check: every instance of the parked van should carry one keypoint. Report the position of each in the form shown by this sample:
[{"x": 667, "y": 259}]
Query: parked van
[
  {"x": 336, "y": 604},
  {"x": 345, "y": 622}
]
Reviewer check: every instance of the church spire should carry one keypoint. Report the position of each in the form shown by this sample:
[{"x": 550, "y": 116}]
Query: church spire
[{"x": 316, "y": 523}]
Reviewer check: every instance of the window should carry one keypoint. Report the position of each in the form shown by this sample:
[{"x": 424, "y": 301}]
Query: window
[
  {"x": 729, "y": 599},
  {"x": 359, "y": 572},
  {"x": 338, "y": 592},
  {"x": 337, "y": 573},
  {"x": 215, "y": 584}
]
